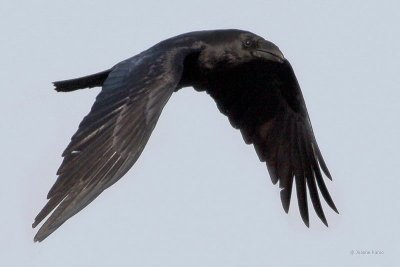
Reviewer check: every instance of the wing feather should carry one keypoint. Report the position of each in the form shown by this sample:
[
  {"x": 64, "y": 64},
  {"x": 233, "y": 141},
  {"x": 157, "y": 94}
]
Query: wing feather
[
  {"x": 264, "y": 101},
  {"x": 112, "y": 136}
]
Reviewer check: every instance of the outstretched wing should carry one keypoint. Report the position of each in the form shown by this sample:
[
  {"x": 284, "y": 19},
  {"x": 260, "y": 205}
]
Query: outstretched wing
[
  {"x": 264, "y": 101},
  {"x": 112, "y": 136}
]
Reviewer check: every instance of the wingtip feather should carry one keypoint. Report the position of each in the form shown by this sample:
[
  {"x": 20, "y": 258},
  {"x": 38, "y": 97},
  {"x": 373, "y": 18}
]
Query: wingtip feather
[
  {"x": 306, "y": 222},
  {"x": 334, "y": 208}
]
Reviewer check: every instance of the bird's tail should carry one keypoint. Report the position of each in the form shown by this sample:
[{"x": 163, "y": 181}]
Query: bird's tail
[{"x": 89, "y": 81}]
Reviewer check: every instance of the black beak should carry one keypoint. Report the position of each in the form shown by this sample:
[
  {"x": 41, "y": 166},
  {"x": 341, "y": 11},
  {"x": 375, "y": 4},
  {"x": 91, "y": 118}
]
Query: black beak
[{"x": 269, "y": 51}]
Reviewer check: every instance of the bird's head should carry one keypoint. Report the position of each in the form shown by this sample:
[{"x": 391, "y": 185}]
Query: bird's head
[{"x": 233, "y": 47}]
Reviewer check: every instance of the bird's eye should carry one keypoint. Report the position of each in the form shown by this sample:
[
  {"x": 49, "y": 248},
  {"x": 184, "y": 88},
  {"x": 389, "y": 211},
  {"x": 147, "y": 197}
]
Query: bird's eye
[{"x": 248, "y": 43}]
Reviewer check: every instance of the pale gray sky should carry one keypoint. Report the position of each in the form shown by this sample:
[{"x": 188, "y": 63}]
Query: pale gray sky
[{"x": 198, "y": 196}]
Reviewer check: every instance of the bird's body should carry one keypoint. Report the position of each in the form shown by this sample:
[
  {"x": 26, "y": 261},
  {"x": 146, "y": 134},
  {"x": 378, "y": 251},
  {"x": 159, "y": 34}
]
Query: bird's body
[{"x": 251, "y": 82}]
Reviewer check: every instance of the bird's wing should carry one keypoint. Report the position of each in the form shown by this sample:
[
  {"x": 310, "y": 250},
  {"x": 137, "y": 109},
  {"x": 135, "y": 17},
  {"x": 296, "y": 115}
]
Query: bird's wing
[
  {"x": 112, "y": 136},
  {"x": 264, "y": 101}
]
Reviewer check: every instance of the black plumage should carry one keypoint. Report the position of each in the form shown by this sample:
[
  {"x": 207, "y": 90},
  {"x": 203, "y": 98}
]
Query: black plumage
[{"x": 249, "y": 79}]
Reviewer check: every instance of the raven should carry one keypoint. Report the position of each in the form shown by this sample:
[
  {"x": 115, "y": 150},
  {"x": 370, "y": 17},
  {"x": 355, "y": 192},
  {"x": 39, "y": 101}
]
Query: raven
[{"x": 252, "y": 84}]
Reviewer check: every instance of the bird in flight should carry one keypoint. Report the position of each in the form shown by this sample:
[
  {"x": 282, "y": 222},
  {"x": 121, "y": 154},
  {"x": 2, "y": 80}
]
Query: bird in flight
[{"x": 252, "y": 84}]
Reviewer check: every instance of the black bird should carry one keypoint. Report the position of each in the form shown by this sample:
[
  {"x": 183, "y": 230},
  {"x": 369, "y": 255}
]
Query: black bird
[{"x": 249, "y": 79}]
